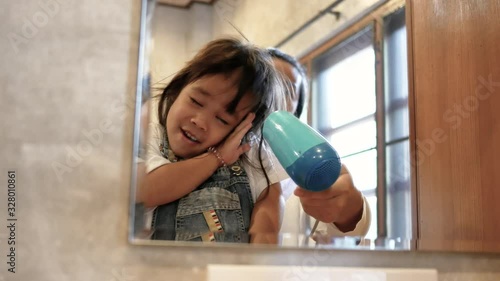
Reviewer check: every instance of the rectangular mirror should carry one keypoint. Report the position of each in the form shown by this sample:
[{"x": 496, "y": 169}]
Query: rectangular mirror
[
  {"x": 173, "y": 34},
  {"x": 351, "y": 51}
]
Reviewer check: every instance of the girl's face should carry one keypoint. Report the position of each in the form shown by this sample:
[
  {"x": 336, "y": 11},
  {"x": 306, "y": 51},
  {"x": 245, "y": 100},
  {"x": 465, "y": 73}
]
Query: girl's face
[
  {"x": 290, "y": 72},
  {"x": 198, "y": 118}
]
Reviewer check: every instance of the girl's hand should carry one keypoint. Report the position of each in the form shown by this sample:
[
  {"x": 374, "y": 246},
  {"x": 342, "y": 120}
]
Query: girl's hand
[{"x": 232, "y": 148}]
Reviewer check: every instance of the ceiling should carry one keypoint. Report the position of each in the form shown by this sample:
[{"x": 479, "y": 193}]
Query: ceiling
[{"x": 182, "y": 3}]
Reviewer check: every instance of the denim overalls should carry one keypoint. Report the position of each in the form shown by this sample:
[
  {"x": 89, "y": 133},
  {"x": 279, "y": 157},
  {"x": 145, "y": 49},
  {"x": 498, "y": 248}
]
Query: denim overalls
[{"x": 218, "y": 210}]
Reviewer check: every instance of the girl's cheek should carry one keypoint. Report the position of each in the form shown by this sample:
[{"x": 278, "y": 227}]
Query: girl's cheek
[{"x": 222, "y": 135}]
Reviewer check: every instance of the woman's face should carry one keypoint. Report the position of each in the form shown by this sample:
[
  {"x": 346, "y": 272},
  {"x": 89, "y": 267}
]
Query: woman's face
[
  {"x": 295, "y": 78},
  {"x": 198, "y": 118}
]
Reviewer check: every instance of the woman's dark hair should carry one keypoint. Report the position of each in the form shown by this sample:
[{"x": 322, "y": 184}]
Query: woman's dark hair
[
  {"x": 257, "y": 75},
  {"x": 302, "y": 91}
]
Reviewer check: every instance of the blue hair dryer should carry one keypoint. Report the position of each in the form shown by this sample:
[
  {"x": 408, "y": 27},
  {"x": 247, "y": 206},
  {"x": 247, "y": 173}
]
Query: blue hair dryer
[{"x": 308, "y": 158}]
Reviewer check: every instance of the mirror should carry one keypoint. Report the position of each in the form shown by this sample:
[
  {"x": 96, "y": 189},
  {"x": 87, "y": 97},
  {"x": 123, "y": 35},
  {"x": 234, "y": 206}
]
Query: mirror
[{"x": 172, "y": 32}]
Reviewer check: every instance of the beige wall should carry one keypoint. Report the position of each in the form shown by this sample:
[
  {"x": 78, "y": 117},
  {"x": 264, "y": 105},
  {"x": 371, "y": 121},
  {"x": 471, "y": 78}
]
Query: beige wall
[
  {"x": 178, "y": 33},
  {"x": 74, "y": 78},
  {"x": 267, "y": 23}
]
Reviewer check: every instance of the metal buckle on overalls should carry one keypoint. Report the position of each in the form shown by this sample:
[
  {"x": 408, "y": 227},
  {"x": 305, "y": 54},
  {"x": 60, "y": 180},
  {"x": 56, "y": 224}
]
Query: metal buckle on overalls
[{"x": 237, "y": 170}]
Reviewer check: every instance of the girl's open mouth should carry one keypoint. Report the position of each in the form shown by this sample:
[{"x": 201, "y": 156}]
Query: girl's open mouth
[{"x": 190, "y": 137}]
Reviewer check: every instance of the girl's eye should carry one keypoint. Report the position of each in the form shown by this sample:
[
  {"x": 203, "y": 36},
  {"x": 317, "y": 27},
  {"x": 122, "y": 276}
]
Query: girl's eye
[
  {"x": 195, "y": 102},
  {"x": 222, "y": 121}
]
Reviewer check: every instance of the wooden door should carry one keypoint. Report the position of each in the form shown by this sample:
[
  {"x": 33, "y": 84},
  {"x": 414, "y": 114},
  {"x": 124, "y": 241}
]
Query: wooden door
[{"x": 454, "y": 64}]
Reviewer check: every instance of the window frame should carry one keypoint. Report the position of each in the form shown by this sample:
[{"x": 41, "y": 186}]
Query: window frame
[{"x": 376, "y": 20}]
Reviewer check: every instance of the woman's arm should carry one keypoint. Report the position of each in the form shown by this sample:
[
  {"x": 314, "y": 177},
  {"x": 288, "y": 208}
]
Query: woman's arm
[
  {"x": 267, "y": 216},
  {"x": 341, "y": 204},
  {"x": 360, "y": 229}
]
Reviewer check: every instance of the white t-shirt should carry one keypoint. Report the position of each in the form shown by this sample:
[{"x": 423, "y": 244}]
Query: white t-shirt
[
  {"x": 293, "y": 225},
  {"x": 257, "y": 180}
]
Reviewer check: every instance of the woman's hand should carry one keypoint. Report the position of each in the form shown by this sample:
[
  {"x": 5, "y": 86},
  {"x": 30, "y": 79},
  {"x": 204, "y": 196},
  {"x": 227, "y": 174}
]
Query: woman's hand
[
  {"x": 341, "y": 204},
  {"x": 231, "y": 149}
]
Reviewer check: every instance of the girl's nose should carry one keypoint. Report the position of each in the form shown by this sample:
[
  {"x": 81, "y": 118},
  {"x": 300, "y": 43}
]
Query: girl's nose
[{"x": 200, "y": 122}]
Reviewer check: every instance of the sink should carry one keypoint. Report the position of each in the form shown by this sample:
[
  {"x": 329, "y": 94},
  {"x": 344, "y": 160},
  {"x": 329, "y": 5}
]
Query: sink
[{"x": 304, "y": 273}]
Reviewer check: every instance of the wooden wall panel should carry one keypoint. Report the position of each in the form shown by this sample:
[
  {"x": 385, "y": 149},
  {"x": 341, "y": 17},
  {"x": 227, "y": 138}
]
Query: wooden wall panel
[{"x": 455, "y": 60}]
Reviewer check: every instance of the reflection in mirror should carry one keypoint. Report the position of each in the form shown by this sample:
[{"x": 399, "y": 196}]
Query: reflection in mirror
[
  {"x": 203, "y": 171},
  {"x": 344, "y": 75}
]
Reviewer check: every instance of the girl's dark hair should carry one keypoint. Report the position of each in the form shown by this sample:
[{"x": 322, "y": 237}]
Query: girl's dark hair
[
  {"x": 257, "y": 75},
  {"x": 275, "y": 53}
]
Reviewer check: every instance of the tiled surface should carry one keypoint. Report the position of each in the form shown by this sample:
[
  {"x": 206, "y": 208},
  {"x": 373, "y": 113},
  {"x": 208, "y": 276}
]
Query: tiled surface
[{"x": 75, "y": 73}]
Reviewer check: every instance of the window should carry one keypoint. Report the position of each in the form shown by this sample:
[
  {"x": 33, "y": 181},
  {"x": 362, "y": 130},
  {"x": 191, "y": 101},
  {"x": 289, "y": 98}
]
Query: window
[
  {"x": 398, "y": 193},
  {"x": 353, "y": 99}
]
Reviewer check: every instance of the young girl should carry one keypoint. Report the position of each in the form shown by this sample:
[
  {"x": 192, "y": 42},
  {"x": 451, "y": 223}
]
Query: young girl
[{"x": 208, "y": 174}]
